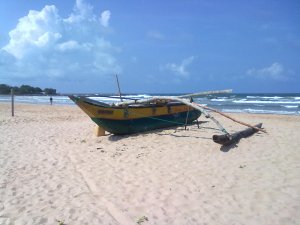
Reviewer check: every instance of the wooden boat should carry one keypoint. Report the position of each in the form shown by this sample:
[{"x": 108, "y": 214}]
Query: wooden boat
[
  {"x": 157, "y": 112},
  {"x": 137, "y": 117}
]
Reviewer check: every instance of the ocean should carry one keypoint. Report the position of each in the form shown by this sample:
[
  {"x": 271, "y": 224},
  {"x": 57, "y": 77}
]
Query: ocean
[{"x": 288, "y": 104}]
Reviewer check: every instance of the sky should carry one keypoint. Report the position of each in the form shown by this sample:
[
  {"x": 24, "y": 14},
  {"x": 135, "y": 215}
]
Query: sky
[{"x": 170, "y": 46}]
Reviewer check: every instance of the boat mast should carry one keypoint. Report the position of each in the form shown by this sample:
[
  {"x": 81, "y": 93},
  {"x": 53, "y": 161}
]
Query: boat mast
[{"x": 119, "y": 88}]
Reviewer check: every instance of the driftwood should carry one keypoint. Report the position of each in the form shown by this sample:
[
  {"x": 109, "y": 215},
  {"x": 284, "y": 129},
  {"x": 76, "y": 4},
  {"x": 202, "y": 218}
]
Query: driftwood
[
  {"x": 235, "y": 137},
  {"x": 12, "y": 102}
]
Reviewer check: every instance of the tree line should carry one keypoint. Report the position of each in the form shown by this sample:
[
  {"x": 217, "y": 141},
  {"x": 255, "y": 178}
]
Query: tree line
[{"x": 26, "y": 90}]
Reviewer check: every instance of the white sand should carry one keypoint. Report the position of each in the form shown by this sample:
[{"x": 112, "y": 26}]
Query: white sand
[{"x": 54, "y": 168}]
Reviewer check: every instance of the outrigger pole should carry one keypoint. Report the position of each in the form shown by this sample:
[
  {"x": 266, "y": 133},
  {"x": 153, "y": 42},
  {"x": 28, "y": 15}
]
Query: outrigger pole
[{"x": 194, "y": 95}]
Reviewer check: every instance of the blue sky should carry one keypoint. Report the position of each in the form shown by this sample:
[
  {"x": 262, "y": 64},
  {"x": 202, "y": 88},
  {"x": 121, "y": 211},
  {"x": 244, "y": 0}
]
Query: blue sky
[{"x": 154, "y": 46}]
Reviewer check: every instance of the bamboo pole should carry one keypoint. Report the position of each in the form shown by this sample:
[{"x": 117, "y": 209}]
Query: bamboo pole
[
  {"x": 229, "y": 117},
  {"x": 227, "y": 91},
  {"x": 12, "y": 102}
]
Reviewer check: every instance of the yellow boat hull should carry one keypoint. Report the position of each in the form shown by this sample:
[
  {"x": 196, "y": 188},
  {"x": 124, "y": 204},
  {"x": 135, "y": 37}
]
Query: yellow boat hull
[{"x": 136, "y": 118}]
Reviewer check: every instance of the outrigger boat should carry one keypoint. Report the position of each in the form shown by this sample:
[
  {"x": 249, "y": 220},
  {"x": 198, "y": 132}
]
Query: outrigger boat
[
  {"x": 140, "y": 115},
  {"x": 137, "y": 117}
]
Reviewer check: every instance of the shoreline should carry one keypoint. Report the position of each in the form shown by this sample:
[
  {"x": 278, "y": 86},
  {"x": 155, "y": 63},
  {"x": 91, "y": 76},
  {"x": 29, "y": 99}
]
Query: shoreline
[
  {"x": 54, "y": 168},
  {"x": 73, "y": 104},
  {"x": 282, "y": 104}
]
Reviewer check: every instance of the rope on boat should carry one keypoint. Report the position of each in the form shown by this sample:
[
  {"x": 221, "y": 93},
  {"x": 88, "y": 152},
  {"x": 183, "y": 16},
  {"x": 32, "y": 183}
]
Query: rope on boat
[
  {"x": 186, "y": 102},
  {"x": 154, "y": 118}
]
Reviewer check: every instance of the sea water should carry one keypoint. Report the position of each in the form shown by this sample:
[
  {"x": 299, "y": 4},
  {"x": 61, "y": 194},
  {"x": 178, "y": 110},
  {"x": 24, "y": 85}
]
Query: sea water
[
  {"x": 255, "y": 103},
  {"x": 240, "y": 103}
]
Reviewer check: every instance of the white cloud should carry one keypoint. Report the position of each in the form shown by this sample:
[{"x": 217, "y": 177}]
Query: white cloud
[
  {"x": 155, "y": 35},
  {"x": 180, "y": 69},
  {"x": 72, "y": 45},
  {"x": 275, "y": 71},
  {"x": 36, "y": 30},
  {"x": 43, "y": 44},
  {"x": 68, "y": 45},
  {"x": 104, "y": 19},
  {"x": 82, "y": 11}
]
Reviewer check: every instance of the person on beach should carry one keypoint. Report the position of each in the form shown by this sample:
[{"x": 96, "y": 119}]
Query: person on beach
[{"x": 51, "y": 100}]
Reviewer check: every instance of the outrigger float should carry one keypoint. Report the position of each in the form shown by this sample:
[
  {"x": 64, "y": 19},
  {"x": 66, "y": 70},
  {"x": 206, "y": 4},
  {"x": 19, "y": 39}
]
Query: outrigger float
[{"x": 140, "y": 115}]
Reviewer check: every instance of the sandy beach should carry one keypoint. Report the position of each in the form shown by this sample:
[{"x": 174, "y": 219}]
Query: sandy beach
[{"x": 53, "y": 168}]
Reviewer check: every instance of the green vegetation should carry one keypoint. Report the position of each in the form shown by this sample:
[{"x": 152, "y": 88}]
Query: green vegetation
[
  {"x": 142, "y": 220},
  {"x": 26, "y": 90},
  {"x": 4, "y": 89},
  {"x": 61, "y": 222},
  {"x": 50, "y": 91}
]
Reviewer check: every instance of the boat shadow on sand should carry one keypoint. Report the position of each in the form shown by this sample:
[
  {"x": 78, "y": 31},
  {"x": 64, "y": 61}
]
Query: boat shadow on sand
[{"x": 175, "y": 131}]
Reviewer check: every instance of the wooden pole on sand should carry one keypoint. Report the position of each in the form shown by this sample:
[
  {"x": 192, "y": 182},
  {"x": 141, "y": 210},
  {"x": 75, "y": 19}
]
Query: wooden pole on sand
[{"x": 12, "y": 102}]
